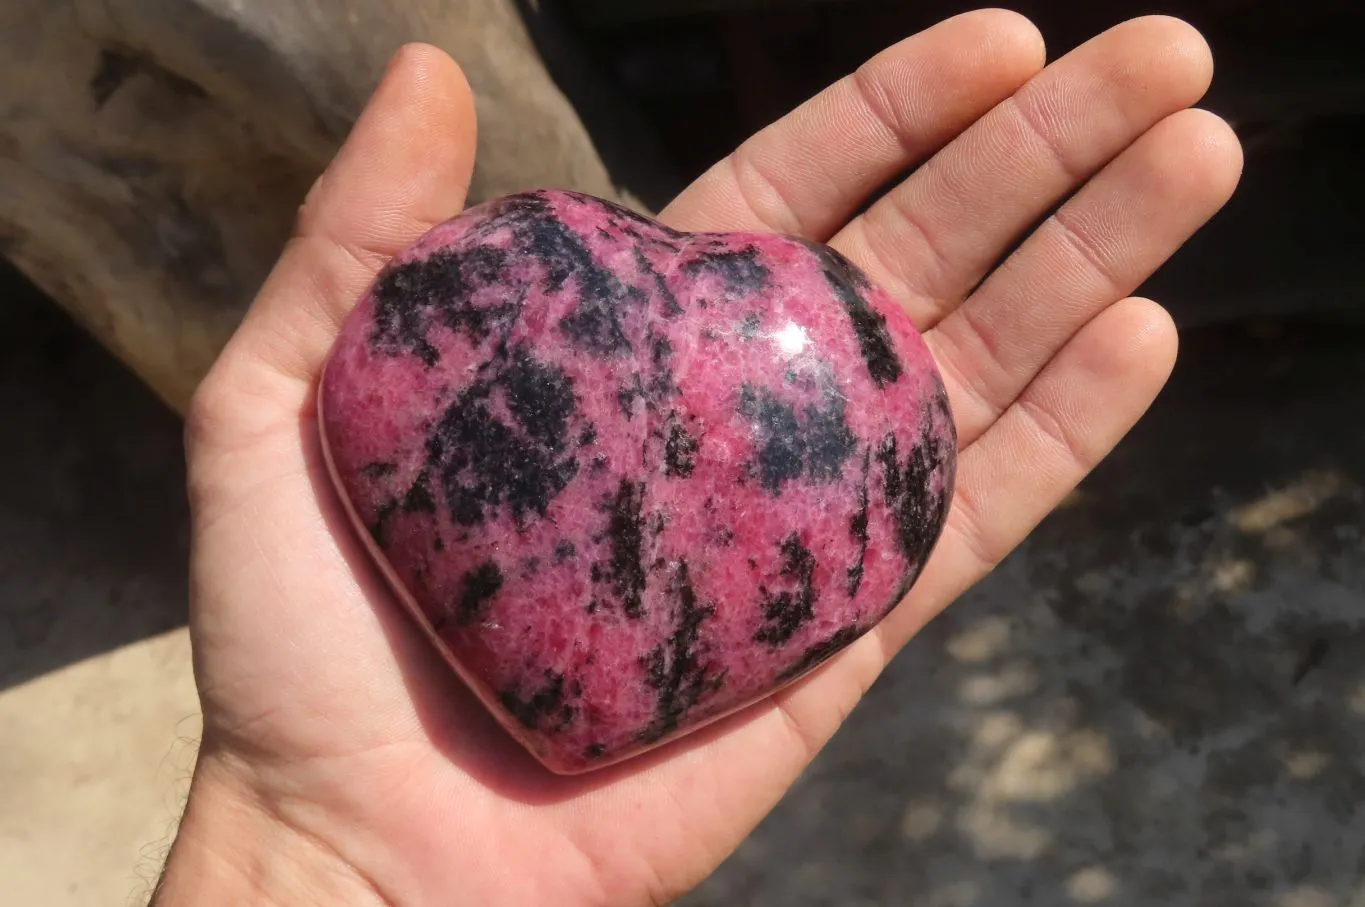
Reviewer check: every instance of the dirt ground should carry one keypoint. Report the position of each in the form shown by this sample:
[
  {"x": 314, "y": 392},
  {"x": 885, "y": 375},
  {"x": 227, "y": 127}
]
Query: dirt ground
[
  {"x": 97, "y": 706},
  {"x": 1159, "y": 700}
]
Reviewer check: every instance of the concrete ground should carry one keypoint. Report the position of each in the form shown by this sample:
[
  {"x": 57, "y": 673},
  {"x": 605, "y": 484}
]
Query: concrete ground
[{"x": 1159, "y": 700}]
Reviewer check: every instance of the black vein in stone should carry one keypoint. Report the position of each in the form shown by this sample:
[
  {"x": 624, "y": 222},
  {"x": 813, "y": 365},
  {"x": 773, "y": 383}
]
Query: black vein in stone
[
  {"x": 674, "y": 669},
  {"x": 787, "y": 611}
]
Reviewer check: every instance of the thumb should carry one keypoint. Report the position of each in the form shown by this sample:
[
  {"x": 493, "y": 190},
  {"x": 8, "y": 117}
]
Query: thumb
[{"x": 405, "y": 167}]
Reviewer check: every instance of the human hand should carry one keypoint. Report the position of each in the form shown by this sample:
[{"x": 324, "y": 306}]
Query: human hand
[{"x": 343, "y": 762}]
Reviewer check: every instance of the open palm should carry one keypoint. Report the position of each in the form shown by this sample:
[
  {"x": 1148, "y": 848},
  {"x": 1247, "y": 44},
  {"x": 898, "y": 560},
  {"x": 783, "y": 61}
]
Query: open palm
[{"x": 333, "y": 730}]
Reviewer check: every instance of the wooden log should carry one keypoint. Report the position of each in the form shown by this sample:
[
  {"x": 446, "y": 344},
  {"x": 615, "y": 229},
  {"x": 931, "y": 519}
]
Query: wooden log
[
  {"x": 153, "y": 153},
  {"x": 617, "y": 12}
]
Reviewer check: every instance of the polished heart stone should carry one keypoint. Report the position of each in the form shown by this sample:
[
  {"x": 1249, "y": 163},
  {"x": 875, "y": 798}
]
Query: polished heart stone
[{"x": 631, "y": 480}]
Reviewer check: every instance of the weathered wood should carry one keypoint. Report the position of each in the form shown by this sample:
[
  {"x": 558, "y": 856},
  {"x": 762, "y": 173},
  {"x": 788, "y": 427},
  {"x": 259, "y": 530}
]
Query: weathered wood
[
  {"x": 153, "y": 152},
  {"x": 616, "y": 12}
]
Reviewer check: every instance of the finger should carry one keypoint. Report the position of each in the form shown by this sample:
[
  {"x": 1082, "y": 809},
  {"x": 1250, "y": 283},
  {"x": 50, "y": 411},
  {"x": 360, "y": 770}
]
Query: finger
[
  {"x": 809, "y": 172},
  {"x": 404, "y": 168},
  {"x": 1098, "y": 248},
  {"x": 1069, "y": 418},
  {"x": 933, "y": 237}
]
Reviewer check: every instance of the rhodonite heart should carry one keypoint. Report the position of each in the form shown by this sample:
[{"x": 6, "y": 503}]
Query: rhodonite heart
[{"x": 631, "y": 480}]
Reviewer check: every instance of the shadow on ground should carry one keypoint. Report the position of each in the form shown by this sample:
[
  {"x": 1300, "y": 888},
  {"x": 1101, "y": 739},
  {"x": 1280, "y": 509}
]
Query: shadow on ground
[
  {"x": 1160, "y": 699},
  {"x": 92, "y": 512}
]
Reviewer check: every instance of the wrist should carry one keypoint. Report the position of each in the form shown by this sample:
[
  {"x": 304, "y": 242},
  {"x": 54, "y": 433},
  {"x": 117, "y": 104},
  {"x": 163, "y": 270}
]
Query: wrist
[{"x": 232, "y": 848}]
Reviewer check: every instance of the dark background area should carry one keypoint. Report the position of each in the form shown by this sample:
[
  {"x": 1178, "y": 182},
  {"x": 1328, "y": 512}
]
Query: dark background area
[{"x": 705, "y": 74}]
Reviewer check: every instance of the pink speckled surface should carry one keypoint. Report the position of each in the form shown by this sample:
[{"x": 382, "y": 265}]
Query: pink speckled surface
[{"x": 633, "y": 480}]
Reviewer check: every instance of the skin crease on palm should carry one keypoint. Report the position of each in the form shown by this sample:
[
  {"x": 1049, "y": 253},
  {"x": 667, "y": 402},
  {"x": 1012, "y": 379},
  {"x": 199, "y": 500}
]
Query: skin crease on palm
[{"x": 343, "y": 763}]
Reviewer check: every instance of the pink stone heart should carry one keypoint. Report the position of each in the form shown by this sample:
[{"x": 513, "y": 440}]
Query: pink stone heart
[{"x": 632, "y": 480}]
